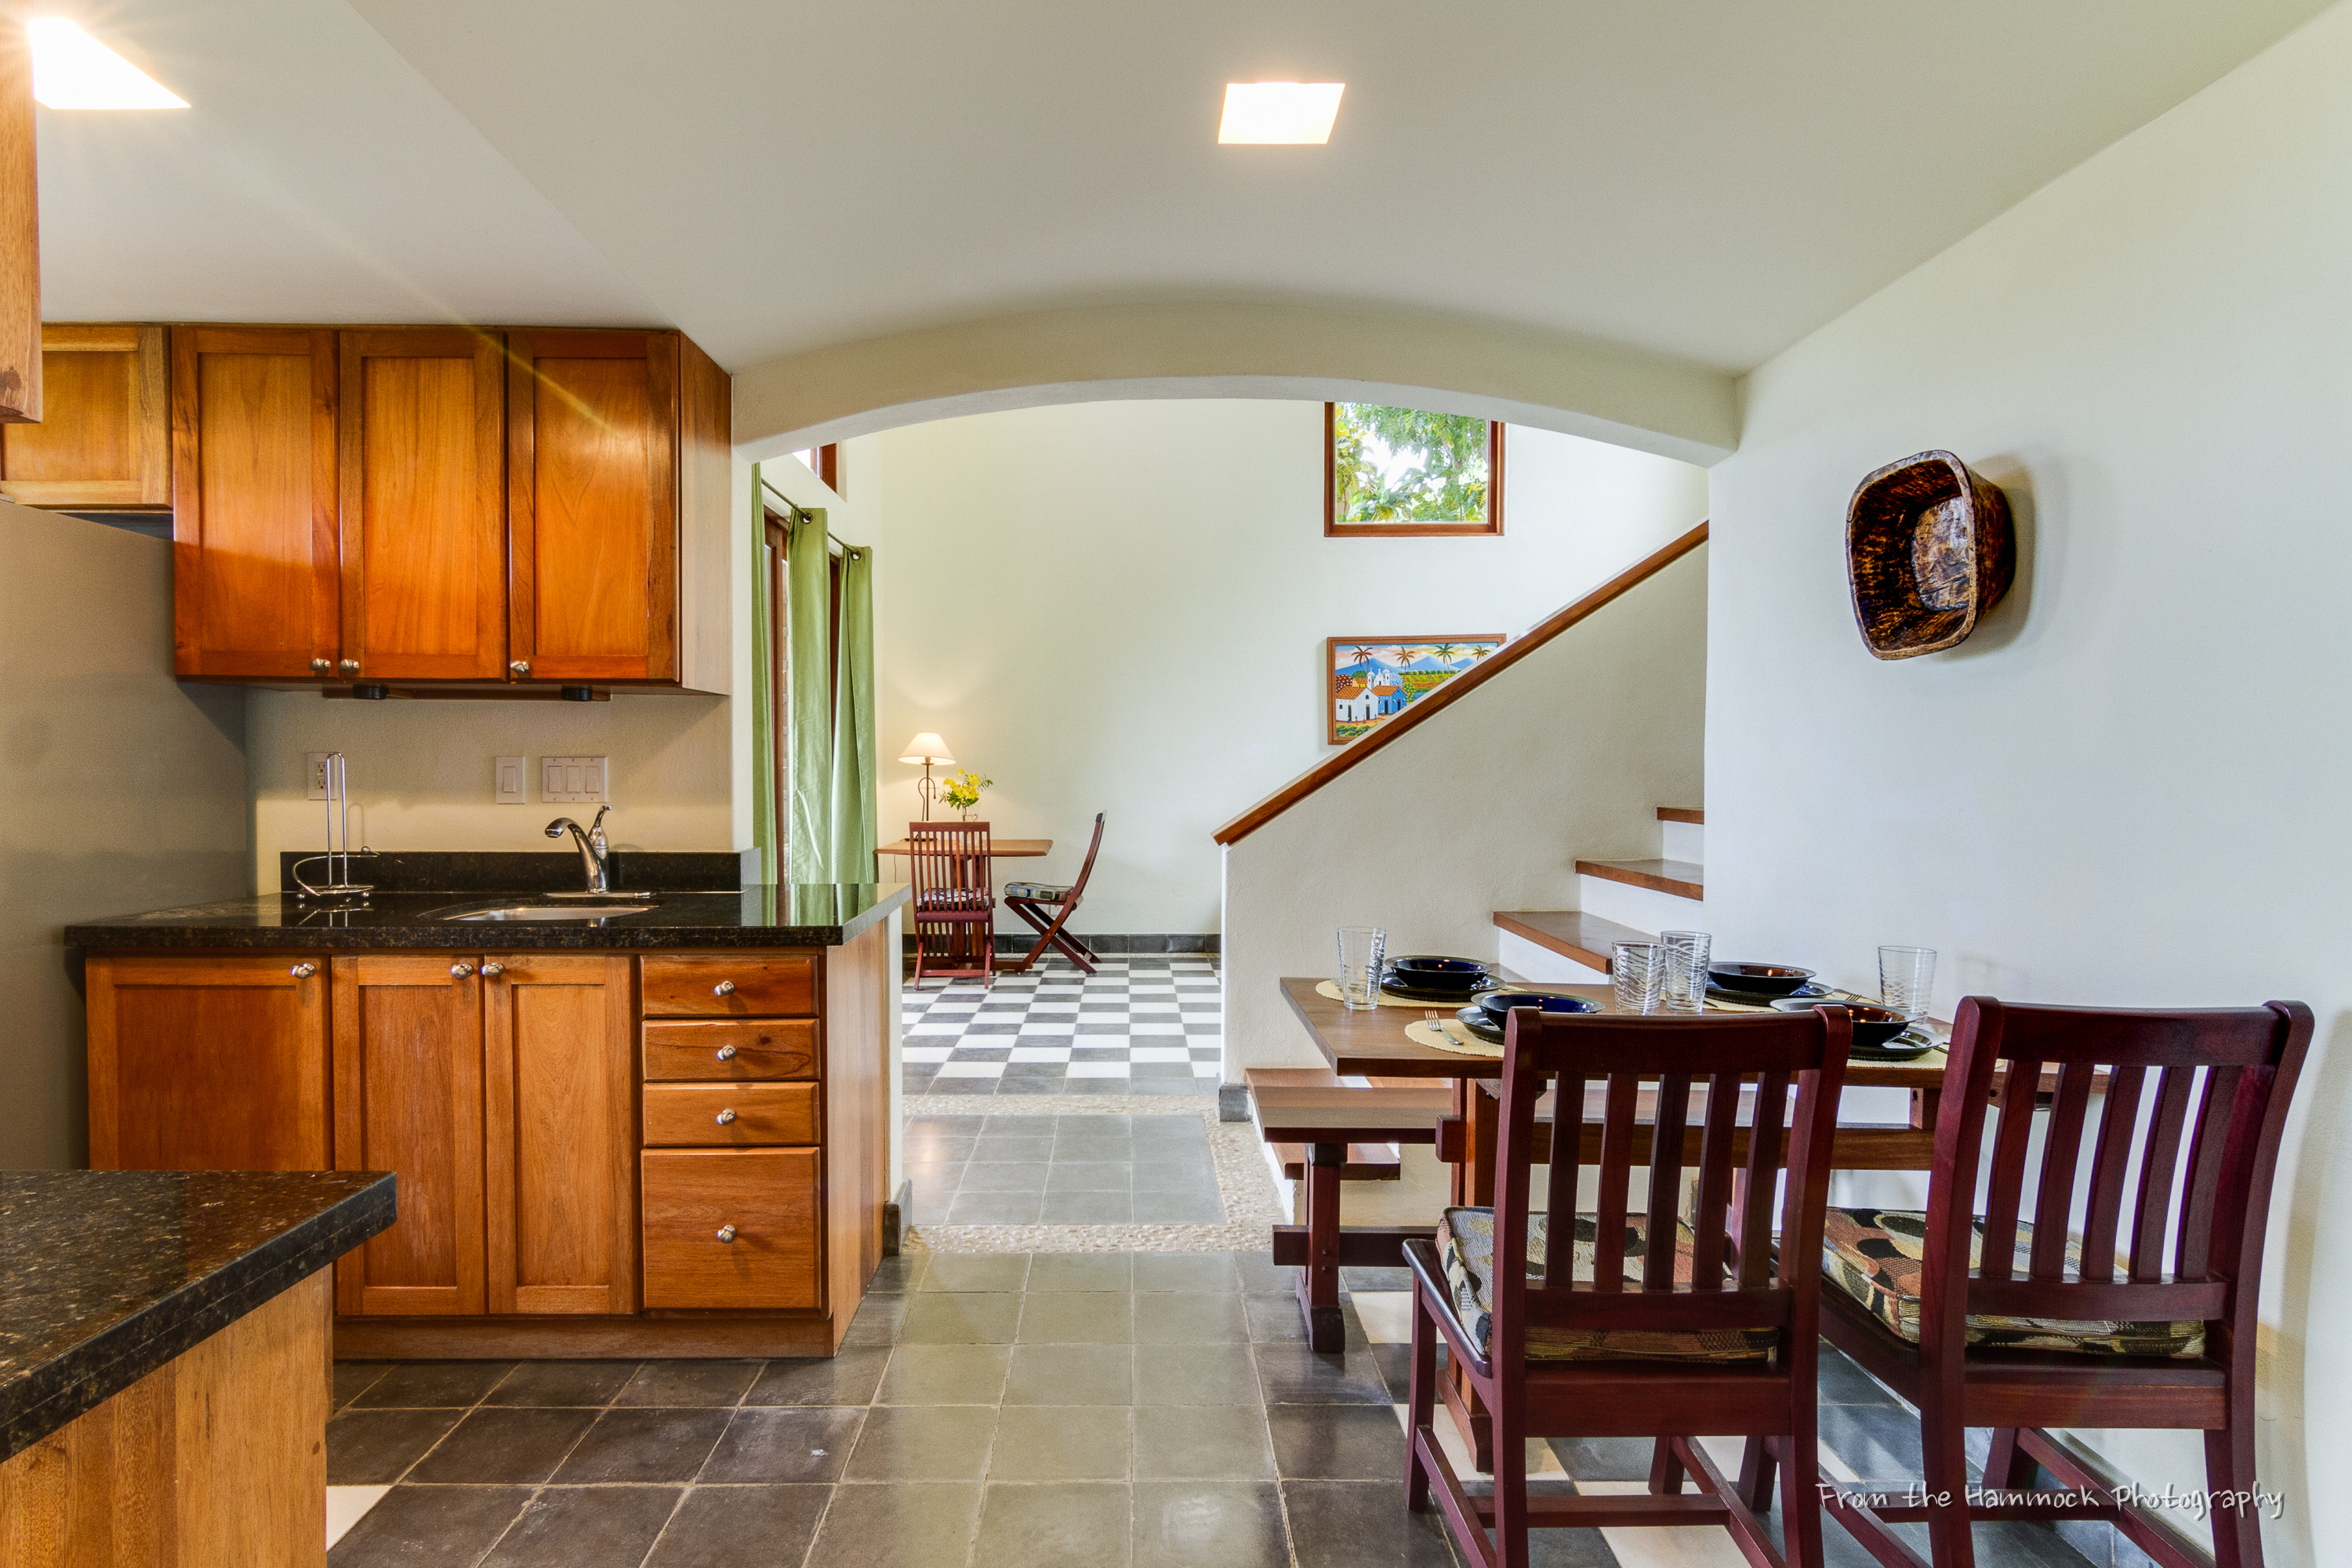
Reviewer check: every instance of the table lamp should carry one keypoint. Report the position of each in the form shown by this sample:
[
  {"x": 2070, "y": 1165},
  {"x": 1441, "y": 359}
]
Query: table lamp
[{"x": 927, "y": 748}]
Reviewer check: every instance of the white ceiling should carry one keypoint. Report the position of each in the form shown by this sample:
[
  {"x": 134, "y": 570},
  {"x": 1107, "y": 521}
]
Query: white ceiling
[{"x": 1703, "y": 179}]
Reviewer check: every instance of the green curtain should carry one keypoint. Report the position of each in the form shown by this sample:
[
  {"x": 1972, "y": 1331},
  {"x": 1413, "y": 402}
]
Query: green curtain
[
  {"x": 764, "y": 696},
  {"x": 808, "y": 590},
  {"x": 852, "y": 859}
]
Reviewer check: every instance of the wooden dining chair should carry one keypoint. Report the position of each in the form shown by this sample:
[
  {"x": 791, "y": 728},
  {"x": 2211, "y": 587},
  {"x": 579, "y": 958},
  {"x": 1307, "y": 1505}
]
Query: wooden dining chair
[
  {"x": 2011, "y": 1319},
  {"x": 1030, "y": 900},
  {"x": 954, "y": 906},
  {"x": 1616, "y": 1323}
]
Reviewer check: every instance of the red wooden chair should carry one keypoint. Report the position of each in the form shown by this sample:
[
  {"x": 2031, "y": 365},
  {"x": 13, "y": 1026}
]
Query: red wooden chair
[
  {"x": 1637, "y": 1334},
  {"x": 2019, "y": 1324},
  {"x": 954, "y": 906},
  {"x": 1031, "y": 900}
]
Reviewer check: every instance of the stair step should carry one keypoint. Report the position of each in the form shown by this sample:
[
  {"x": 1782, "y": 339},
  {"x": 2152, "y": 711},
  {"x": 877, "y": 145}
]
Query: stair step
[
  {"x": 1681, "y": 877},
  {"x": 1572, "y": 933},
  {"x": 1689, "y": 814}
]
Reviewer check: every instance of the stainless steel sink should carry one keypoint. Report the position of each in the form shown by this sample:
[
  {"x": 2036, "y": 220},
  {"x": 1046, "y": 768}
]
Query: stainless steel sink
[{"x": 572, "y": 911}]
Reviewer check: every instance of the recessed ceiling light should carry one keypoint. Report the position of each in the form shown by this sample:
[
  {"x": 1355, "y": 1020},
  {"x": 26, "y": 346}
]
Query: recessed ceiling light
[
  {"x": 1280, "y": 113},
  {"x": 73, "y": 70}
]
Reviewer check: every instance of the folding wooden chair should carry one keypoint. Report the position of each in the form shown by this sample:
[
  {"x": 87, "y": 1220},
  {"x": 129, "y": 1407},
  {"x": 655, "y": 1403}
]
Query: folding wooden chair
[
  {"x": 2019, "y": 1324},
  {"x": 1031, "y": 900},
  {"x": 954, "y": 906},
  {"x": 1618, "y": 1325}
]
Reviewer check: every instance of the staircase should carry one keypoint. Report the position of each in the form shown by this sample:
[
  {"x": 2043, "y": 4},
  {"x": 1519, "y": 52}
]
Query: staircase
[{"x": 1621, "y": 900}]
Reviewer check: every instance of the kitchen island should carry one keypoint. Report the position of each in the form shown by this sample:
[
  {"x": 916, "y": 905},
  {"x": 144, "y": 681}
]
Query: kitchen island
[
  {"x": 163, "y": 1379},
  {"x": 661, "y": 1131}
]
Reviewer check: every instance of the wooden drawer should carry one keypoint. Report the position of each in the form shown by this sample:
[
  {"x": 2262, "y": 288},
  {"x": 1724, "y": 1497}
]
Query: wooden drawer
[
  {"x": 690, "y": 1114},
  {"x": 768, "y": 1195},
  {"x": 721, "y": 986},
  {"x": 731, "y": 1052}
]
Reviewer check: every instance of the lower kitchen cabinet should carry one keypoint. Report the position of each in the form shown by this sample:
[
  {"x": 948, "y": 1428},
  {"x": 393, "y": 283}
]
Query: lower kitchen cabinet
[{"x": 731, "y": 1227}]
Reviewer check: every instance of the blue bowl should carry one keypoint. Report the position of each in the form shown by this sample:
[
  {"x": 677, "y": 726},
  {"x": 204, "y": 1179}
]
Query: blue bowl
[{"x": 1497, "y": 1004}]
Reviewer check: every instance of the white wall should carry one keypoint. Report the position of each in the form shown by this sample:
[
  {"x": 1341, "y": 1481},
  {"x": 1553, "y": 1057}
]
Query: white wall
[
  {"x": 1486, "y": 806},
  {"x": 120, "y": 790},
  {"x": 1122, "y": 607},
  {"x": 2129, "y": 788}
]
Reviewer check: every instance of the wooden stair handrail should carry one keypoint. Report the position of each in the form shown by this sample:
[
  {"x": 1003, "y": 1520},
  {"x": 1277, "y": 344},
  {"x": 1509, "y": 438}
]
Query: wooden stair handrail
[{"x": 1454, "y": 690}]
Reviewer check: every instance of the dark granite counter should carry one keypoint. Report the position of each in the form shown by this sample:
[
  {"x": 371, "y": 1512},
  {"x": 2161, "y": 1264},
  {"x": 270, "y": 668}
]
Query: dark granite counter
[
  {"x": 107, "y": 1275},
  {"x": 809, "y": 915}
]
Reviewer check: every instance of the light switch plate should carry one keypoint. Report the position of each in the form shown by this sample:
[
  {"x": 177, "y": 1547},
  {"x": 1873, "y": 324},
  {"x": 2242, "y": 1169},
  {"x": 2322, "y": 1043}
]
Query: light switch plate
[
  {"x": 314, "y": 770},
  {"x": 572, "y": 778},
  {"x": 509, "y": 784}
]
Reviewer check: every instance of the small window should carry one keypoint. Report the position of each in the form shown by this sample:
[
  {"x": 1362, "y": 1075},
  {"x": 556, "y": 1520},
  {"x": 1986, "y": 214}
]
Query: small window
[
  {"x": 1406, "y": 471},
  {"x": 825, "y": 462}
]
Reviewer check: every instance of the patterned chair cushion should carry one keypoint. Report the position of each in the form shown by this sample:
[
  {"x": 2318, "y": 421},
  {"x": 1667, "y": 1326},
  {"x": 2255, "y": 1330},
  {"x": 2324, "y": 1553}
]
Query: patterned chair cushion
[
  {"x": 1039, "y": 892},
  {"x": 1876, "y": 1256},
  {"x": 947, "y": 899},
  {"x": 1466, "y": 1247}
]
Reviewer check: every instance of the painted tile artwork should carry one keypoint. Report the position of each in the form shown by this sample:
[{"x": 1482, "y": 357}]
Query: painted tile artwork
[{"x": 1373, "y": 679}]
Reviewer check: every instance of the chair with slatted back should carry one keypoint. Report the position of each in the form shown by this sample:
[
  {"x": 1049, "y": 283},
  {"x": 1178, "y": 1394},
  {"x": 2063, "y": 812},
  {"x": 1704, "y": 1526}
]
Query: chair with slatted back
[
  {"x": 2005, "y": 1317},
  {"x": 1031, "y": 900},
  {"x": 954, "y": 906},
  {"x": 1651, "y": 1327}
]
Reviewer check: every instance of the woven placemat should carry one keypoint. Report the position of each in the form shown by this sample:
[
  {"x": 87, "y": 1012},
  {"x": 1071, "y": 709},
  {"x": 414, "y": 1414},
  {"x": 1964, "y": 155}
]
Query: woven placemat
[
  {"x": 1447, "y": 1034},
  {"x": 1329, "y": 992}
]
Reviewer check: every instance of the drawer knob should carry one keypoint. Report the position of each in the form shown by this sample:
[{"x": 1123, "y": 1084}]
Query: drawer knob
[
  {"x": 724, "y": 988},
  {"x": 726, "y": 1053},
  {"x": 303, "y": 971},
  {"x": 493, "y": 969},
  {"x": 461, "y": 970},
  {"x": 322, "y": 666},
  {"x": 350, "y": 667},
  {"x": 726, "y": 1233},
  {"x": 726, "y": 1116},
  {"x": 520, "y": 666}
]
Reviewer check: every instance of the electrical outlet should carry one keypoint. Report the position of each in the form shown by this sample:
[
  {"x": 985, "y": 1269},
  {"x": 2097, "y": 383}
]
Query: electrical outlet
[
  {"x": 509, "y": 784},
  {"x": 572, "y": 778},
  {"x": 314, "y": 767}
]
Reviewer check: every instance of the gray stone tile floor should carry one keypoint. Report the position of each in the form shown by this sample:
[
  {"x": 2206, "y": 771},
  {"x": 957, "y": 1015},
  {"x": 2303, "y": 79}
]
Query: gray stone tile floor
[
  {"x": 1061, "y": 1170},
  {"x": 1062, "y": 1409}
]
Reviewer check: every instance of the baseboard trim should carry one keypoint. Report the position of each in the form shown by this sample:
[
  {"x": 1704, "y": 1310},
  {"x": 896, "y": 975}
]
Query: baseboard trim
[{"x": 1232, "y": 1103}]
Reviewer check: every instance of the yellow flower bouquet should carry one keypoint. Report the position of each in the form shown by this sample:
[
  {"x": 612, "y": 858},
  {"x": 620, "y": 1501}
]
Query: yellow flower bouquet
[{"x": 962, "y": 790}]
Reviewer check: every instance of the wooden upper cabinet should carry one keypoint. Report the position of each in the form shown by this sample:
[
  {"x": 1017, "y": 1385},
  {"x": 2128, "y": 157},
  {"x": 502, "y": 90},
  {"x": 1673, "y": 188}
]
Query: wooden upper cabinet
[
  {"x": 208, "y": 1062},
  {"x": 592, "y": 500},
  {"x": 255, "y": 584},
  {"x": 105, "y": 436},
  {"x": 421, "y": 490},
  {"x": 408, "y": 1099}
]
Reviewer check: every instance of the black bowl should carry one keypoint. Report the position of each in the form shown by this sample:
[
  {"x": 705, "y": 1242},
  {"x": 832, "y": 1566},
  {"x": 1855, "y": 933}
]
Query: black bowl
[
  {"x": 1497, "y": 1004},
  {"x": 1480, "y": 1023},
  {"x": 1429, "y": 971},
  {"x": 1873, "y": 1025},
  {"x": 1758, "y": 979}
]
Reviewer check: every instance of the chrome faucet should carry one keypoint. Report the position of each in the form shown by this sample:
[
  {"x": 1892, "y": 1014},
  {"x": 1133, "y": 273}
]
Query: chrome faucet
[{"x": 594, "y": 854}]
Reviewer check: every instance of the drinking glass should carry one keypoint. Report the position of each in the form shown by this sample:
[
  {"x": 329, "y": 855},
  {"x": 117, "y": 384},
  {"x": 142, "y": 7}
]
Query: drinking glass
[
  {"x": 1906, "y": 976},
  {"x": 1684, "y": 989},
  {"x": 1637, "y": 969},
  {"x": 1361, "y": 950}
]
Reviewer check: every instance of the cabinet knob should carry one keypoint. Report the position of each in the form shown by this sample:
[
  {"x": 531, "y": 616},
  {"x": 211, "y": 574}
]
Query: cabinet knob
[
  {"x": 724, "y": 988},
  {"x": 520, "y": 666},
  {"x": 493, "y": 969},
  {"x": 350, "y": 667},
  {"x": 303, "y": 971},
  {"x": 726, "y": 1116},
  {"x": 726, "y": 1053},
  {"x": 726, "y": 1233},
  {"x": 461, "y": 970},
  {"x": 322, "y": 667}
]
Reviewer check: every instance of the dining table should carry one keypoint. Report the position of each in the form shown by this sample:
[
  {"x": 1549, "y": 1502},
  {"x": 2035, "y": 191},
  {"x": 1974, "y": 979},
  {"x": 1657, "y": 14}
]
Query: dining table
[
  {"x": 1372, "y": 1042},
  {"x": 998, "y": 849}
]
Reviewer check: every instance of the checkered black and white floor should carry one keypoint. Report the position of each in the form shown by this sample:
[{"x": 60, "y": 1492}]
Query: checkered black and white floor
[{"x": 1141, "y": 1025}]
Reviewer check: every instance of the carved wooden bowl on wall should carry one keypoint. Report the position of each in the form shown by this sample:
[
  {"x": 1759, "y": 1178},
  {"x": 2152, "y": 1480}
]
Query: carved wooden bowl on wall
[{"x": 1929, "y": 553}]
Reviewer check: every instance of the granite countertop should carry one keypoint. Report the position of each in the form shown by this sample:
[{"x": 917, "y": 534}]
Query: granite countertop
[
  {"x": 107, "y": 1275},
  {"x": 805, "y": 915}
]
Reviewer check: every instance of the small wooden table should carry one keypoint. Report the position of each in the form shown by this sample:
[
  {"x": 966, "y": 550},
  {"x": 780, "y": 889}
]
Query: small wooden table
[{"x": 998, "y": 849}]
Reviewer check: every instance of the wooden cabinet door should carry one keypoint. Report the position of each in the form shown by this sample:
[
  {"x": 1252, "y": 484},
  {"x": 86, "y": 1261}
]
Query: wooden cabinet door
[
  {"x": 408, "y": 1099},
  {"x": 105, "y": 435},
  {"x": 560, "y": 1134},
  {"x": 254, "y": 585},
  {"x": 592, "y": 505},
  {"x": 208, "y": 1062},
  {"x": 733, "y": 1227},
  {"x": 421, "y": 490}
]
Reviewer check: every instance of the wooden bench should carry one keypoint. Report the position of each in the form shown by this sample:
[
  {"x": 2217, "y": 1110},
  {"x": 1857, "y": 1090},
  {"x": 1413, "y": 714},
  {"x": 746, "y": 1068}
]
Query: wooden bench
[
  {"x": 1327, "y": 1119},
  {"x": 1366, "y": 1162}
]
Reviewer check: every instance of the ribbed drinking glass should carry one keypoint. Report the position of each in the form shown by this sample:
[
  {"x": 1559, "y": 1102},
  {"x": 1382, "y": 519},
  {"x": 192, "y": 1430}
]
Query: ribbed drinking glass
[
  {"x": 1637, "y": 970},
  {"x": 1362, "y": 949},
  {"x": 1906, "y": 975},
  {"x": 1684, "y": 989}
]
